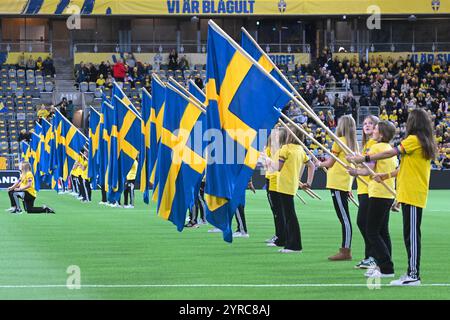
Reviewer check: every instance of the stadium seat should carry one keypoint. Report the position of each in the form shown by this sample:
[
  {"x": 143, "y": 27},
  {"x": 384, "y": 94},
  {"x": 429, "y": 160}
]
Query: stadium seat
[
  {"x": 13, "y": 85},
  {"x": 35, "y": 92},
  {"x": 92, "y": 86},
  {"x": 84, "y": 87},
  {"x": 19, "y": 91},
  {"x": 48, "y": 86},
  {"x": 98, "y": 92},
  {"x": 40, "y": 85},
  {"x": 126, "y": 87},
  {"x": 12, "y": 74}
]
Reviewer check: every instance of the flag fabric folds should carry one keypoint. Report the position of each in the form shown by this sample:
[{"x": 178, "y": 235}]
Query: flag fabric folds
[
  {"x": 126, "y": 139},
  {"x": 241, "y": 101},
  {"x": 26, "y": 151},
  {"x": 196, "y": 92},
  {"x": 106, "y": 123},
  {"x": 35, "y": 158},
  {"x": 94, "y": 142},
  {"x": 179, "y": 167},
  {"x": 156, "y": 120},
  {"x": 145, "y": 157}
]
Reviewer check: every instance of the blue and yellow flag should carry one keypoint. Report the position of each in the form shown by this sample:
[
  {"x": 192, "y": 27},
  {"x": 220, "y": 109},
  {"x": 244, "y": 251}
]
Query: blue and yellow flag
[
  {"x": 145, "y": 157},
  {"x": 47, "y": 136},
  {"x": 125, "y": 146},
  {"x": 118, "y": 92},
  {"x": 156, "y": 120},
  {"x": 94, "y": 142},
  {"x": 35, "y": 157},
  {"x": 241, "y": 101},
  {"x": 196, "y": 91},
  {"x": 106, "y": 123},
  {"x": 255, "y": 51},
  {"x": 26, "y": 151},
  {"x": 179, "y": 168},
  {"x": 3, "y": 108}
]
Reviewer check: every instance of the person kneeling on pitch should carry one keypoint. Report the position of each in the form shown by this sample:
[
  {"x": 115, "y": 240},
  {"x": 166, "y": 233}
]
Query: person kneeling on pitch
[{"x": 27, "y": 192}]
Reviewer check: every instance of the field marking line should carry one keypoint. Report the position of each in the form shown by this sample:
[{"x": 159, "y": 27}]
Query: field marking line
[{"x": 298, "y": 285}]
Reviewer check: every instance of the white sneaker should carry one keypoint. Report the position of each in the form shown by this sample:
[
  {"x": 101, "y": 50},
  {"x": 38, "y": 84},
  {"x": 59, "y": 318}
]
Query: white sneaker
[
  {"x": 215, "y": 230},
  {"x": 80, "y": 198},
  {"x": 289, "y": 251},
  {"x": 406, "y": 280},
  {"x": 271, "y": 244},
  {"x": 74, "y": 194},
  {"x": 10, "y": 209},
  {"x": 240, "y": 235},
  {"x": 271, "y": 240},
  {"x": 102, "y": 203},
  {"x": 128, "y": 206},
  {"x": 376, "y": 273}
]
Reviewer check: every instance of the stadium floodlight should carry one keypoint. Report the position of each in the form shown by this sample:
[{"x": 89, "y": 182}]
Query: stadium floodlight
[
  {"x": 182, "y": 49},
  {"x": 257, "y": 23},
  {"x": 267, "y": 49}
]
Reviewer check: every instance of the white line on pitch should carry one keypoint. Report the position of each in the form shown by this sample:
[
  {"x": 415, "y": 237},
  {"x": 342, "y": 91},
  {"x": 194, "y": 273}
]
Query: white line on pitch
[{"x": 299, "y": 285}]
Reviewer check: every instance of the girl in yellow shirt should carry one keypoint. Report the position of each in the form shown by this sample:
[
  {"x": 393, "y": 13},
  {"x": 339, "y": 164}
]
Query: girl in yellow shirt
[
  {"x": 380, "y": 202},
  {"x": 363, "y": 192},
  {"x": 83, "y": 180},
  {"x": 24, "y": 189},
  {"x": 292, "y": 158},
  {"x": 340, "y": 183},
  {"x": 413, "y": 177}
]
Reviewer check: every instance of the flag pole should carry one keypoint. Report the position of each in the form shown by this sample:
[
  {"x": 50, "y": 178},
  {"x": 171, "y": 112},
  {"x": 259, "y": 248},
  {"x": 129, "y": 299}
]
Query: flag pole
[
  {"x": 200, "y": 90},
  {"x": 187, "y": 93},
  {"x": 346, "y": 149}
]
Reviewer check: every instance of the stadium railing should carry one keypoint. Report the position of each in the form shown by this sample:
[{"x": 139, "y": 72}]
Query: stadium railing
[{"x": 348, "y": 46}]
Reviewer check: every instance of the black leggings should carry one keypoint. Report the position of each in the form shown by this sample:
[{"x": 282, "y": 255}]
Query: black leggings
[
  {"x": 11, "y": 198},
  {"x": 412, "y": 219},
  {"x": 75, "y": 184},
  {"x": 129, "y": 192},
  {"x": 361, "y": 220},
  {"x": 377, "y": 232},
  {"x": 293, "y": 236},
  {"x": 240, "y": 219},
  {"x": 280, "y": 228},
  {"x": 28, "y": 202},
  {"x": 271, "y": 204},
  {"x": 340, "y": 202},
  {"x": 85, "y": 189}
]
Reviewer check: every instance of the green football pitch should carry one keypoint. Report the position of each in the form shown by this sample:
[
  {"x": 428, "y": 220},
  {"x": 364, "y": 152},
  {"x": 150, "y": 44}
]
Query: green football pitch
[{"x": 133, "y": 254}]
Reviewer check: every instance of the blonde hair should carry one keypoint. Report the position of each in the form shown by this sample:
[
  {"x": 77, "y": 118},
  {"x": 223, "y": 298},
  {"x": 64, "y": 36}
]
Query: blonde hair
[
  {"x": 375, "y": 121},
  {"x": 26, "y": 166},
  {"x": 346, "y": 127}
]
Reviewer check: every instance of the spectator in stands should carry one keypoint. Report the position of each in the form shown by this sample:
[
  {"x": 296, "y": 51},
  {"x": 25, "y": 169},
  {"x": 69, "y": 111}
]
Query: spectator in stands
[
  {"x": 330, "y": 120},
  {"x": 100, "y": 81},
  {"x": 70, "y": 109},
  {"x": 109, "y": 81},
  {"x": 346, "y": 84},
  {"x": 48, "y": 68},
  {"x": 184, "y": 64},
  {"x": 31, "y": 64},
  {"x": 130, "y": 61},
  {"x": 157, "y": 61},
  {"x": 119, "y": 70},
  {"x": 42, "y": 113},
  {"x": 198, "y": 81},
  {"x": 103, "y": 69},
  {"x": 92, "y": 73},
  {"x": 63, "y": 106},
  {"x": 39, "y": 64},
  {"x": 173, "y": 60},
  {"x": 24, "y": 136}
]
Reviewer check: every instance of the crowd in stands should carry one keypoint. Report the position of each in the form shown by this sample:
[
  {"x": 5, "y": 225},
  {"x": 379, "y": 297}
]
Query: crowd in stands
[
  {"x": 40, "y": 64},
  {"x": 129, "y": 69}
]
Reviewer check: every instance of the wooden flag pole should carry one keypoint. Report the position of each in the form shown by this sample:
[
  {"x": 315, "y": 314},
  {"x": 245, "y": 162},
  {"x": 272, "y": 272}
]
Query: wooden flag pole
[
  {"x": 301, "y": 199},
  {"x": 200, "y": 90},
  {"x": 173, "y": 82}
]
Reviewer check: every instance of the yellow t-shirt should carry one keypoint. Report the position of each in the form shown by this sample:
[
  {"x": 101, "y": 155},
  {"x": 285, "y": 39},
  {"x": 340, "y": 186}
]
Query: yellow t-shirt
[
  {"x": 273, "y": 176},
  {"x": 362, "y": 188},
  {"x": 43, "y": 113},
  {"x": 84, "y": 173},
  {"x": 377, "y": 190},
  {"x": 294, "y": 158},
  {"x": 337, "y": 176},
  {"x": 414, "y": 176},
  {"x": 268, "y": 153},
  {"x": 132, "y": 173},
  {"x": 100, "y": 82},
  {"x": 31, "y": 190}
]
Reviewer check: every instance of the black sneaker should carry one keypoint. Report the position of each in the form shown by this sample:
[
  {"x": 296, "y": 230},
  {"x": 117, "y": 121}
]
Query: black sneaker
[
  {"x": 366, "y": 264},
  {"x": 190, "y": 224},
  {"x": 48, "y": 209}
]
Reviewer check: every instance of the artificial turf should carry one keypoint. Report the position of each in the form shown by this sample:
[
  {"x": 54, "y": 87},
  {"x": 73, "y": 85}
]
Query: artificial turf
[{"x": 144, "y": 257}]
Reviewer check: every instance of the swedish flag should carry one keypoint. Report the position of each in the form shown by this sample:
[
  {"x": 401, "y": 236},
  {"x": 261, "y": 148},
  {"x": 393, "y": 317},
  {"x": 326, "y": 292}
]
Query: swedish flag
[
  {"x": 26, "y": 151},
  {"x": 241, "y": 99},
  {"x": 35, "y": 145},
  {"x": 156, "y": 120},
  {"x": 179, "y": 167},
  {"x": 126, "y": 139},
  {"x": 255, "y": 51},
  {"x": 145, "y": 157},
  {"x": 118, "y": 92},
  {"x": 47, "y": 136},
  {"x": 94, "y": 141},
  {"x": 196, "y": 92},
  {"x": 106, "y": 123}
]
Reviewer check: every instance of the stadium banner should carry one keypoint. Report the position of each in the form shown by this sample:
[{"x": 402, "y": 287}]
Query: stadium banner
[
  {"x": 192, "y": 58},
  {"x": 221, "y": 7},
  {"x": 8, "y": 178},
  {"x": 13, "y": 57},
  {"x": 417, "y": 57}
]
